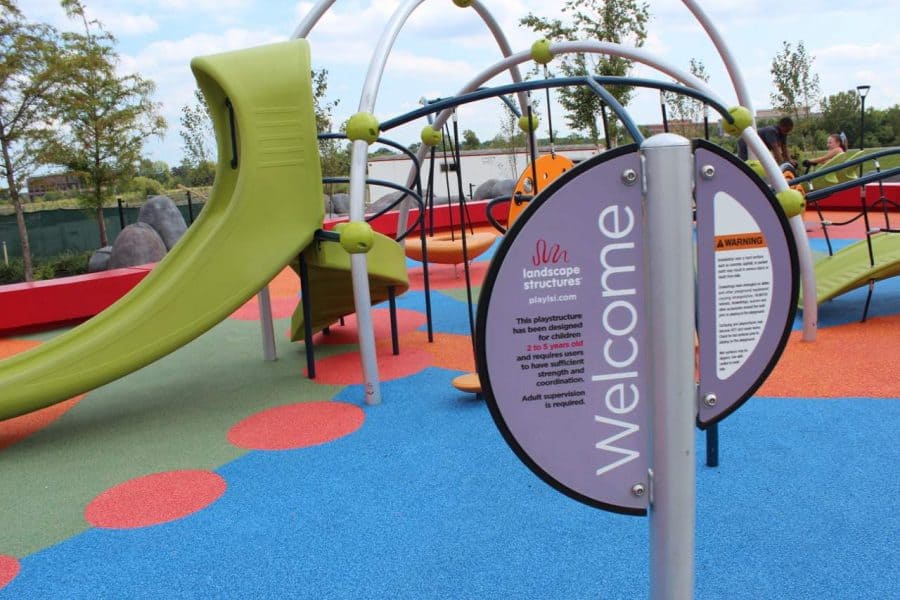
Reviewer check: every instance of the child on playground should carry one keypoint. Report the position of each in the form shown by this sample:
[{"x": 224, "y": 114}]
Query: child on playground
[{"x": 836, "y": 146}]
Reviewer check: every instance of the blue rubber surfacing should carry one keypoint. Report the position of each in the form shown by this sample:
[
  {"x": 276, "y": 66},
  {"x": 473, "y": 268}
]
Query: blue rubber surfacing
[{"x": 427, "y": 501}]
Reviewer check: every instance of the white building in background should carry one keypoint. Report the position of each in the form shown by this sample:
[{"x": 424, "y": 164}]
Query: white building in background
[{"x": 477, "y": 167}]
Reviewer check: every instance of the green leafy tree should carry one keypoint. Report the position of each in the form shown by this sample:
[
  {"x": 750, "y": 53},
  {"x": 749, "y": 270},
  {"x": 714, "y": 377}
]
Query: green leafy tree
[
  {"x": 105, "y": 118},
  {"x": 155, "y": 169},
  {"x": 198, "y": 141},
  {"x": 840, "y": 112},
  {"x": 470, "y": 140},
  {"x": 619, "y": 21},
  {"x": 684, "y": 112},
  {"x": 334, "y": 154},
  {"x": 510, "y": 138},
  {"x": 796, "y": 88},
  {"x": 30, "y": 76},
  {"x": 892, "y": 126}
]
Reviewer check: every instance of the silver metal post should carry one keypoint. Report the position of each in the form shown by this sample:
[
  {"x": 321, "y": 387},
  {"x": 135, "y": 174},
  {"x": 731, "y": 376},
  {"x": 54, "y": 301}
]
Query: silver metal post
[
  {"x": 668, "y": 180},
  {"x": 267, "y": 324}
]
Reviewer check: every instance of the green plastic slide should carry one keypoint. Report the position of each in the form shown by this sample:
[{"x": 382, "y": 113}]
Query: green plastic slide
[
  {"x": 263, "y": 210},
  {"x": 331, "y": 288},
  {"x": 850, "y": 267}
]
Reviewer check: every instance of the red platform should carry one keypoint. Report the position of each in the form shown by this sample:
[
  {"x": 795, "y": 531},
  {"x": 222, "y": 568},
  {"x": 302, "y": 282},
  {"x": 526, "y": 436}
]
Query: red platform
[
  {"x": 849, "y": 199},
  {"x": 55, "y": 302},
  {"x": 39, "y": 305}
]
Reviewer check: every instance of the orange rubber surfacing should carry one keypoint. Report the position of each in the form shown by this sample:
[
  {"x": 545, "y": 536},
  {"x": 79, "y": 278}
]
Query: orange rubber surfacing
[
  {"x": 18, "y": 428},
  {"x": 547, "y": 167}
]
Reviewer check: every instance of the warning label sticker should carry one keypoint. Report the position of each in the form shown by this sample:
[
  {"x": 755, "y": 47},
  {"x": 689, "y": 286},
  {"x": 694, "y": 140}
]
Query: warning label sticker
[{"x": 740, "y": 241}]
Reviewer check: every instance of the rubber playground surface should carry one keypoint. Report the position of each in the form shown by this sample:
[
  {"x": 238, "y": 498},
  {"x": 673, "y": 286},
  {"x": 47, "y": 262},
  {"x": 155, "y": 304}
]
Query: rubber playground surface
[{"x": 215, "y": 474}]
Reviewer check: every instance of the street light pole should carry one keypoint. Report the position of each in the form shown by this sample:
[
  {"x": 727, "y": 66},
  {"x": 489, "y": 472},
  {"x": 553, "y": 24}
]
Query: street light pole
[{"x": 862, "y": 90}]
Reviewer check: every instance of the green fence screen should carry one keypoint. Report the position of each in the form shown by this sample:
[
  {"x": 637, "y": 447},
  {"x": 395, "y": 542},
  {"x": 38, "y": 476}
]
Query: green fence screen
[{"x": 52, "y": 232}]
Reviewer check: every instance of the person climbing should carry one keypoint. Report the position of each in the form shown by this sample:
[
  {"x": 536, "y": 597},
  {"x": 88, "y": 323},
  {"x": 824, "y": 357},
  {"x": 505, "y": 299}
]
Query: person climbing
[{"x": 775, "y": 139}]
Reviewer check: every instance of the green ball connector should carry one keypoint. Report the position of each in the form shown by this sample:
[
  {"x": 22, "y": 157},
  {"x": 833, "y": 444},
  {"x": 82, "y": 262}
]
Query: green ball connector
[
  {"x": 463, "y": 3},
  {"x": 357, "y": 237},
  {"x": 742, "y": 120},
  {"x": 527, "y": 125},
  {"x": 430, "y": 136},
  {"x": 792, "y": 202},
  {"x": 540, "y": 51},
  {"x": 363, "y": 126},
  {"x": 757, "y": 168}
]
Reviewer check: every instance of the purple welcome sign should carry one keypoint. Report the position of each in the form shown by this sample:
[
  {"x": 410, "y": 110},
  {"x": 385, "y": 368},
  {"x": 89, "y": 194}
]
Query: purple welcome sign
[
  {"x": 747, "y": 282},
  {"x": 561, "y": 336}
]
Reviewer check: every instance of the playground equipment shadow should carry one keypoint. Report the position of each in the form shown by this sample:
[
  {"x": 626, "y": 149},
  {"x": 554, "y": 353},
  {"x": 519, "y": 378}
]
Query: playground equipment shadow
[{"x": 213, "y": 473}]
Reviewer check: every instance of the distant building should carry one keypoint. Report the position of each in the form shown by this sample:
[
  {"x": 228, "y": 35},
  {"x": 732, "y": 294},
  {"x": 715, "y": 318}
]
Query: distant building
[{"x": 60, "y": 182}]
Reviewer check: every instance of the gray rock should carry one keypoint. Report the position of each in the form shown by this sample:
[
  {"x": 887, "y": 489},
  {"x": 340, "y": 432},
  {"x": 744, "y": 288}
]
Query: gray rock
[
  {"x": 137, "y": 244},
  {"x": 384, "y": 202},
  {"x": 485, "y": 190},
  {"x": 161, "y": 214},
  {"x": 337, "y": 204},
  {"x": 504, "y": 187},
  {"x": 99, "y": 259}
]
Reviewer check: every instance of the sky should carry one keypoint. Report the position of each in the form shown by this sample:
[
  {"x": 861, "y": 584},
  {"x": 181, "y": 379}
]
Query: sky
[{"x": 441, "y": 48}]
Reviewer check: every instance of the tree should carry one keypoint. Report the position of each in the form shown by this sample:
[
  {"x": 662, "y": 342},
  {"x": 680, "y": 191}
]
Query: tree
[
  {"x": 29, "y": 81},
  {"x": 610, "y": 21},
  {"x": 155, "y": 169},
  {"x": 197, "y": 137},
  {"x": 840, "y": 112},
  {"x": 796, "y": 87},
  {"x": 684, "y": 111},
  {"x": 510, "y": 138},
  {"x": 470, "y": 140},
  {"x": 333, "y": 154},
  {"x": 104, "y": 118}
]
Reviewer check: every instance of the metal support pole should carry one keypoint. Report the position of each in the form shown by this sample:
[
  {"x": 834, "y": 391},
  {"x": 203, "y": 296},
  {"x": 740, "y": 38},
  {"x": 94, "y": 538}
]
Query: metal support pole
[
  {"x": 668, "y": 242},
  {"x": 190, "y": 205},
  {"x": 392, "y": 303},
  {"x": 306, "y": 303},
  {"x": 712, "y": 445},
  {"x": 121, "y": 214},
  {"x": 267, "y": 324}
]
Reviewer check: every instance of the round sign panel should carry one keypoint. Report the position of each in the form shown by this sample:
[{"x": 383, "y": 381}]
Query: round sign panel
[
  {"x": 561, "y": 335},
  {"x": 747, "y": 281}
]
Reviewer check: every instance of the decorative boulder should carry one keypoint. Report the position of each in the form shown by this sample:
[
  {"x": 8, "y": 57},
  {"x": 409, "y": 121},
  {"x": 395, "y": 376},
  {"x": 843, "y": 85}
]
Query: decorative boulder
[
  {"x": 384, "y": 202},
  {"x": 337, "y": 204},
  {"x": 161, "y": 214},
  {"x": 503, "y": 187},
  {"x": 484, "y": 191},
  {"x": 99, "y": 259},
  {"x": 137, "y": 244}
]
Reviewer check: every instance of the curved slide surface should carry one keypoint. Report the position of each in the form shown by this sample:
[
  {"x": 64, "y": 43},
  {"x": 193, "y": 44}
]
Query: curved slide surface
[
  {"x": 851, "y": 268},
  {"x": 264, "y": 208},
  {"x": 331, "y": 288}
]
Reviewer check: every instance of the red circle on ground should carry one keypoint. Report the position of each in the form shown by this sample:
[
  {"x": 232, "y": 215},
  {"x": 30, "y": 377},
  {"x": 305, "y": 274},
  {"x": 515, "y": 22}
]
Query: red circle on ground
[
  {"x": 346, "y": 368},
  {"x": 296, "y": 426},
  {"x": 9, "y": 568},
  {"x": 154, "y": 499}
]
